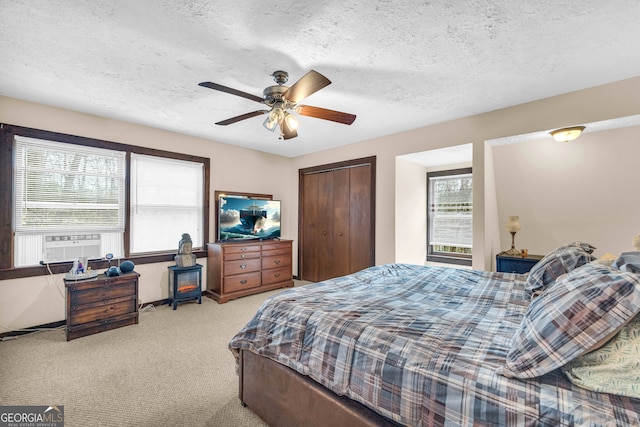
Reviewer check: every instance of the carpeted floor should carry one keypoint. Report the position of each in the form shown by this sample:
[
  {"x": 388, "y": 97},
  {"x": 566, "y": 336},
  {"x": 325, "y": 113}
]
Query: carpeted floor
[{"x": 172, "y": 369}]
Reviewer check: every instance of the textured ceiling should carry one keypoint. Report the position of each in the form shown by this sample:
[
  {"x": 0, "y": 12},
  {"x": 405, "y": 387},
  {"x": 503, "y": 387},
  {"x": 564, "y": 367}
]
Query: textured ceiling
[{"x": 396, "y": 64}]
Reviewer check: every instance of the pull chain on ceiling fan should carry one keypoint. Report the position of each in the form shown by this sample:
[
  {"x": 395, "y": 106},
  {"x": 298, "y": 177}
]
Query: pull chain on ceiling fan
[{"x": 282, "y": 100}]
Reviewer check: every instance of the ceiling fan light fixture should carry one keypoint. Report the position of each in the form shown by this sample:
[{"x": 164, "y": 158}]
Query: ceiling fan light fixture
[
  {"x": 291, "y": 120},
  {"x": 567, "y": 134},
  {"x": 269, "y": 123}
]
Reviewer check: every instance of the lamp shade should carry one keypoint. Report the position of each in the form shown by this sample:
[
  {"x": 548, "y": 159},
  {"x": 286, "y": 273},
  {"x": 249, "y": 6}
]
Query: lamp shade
[
  {"x": 567, "y": 134},
  {"x": 513, "y": 226}
]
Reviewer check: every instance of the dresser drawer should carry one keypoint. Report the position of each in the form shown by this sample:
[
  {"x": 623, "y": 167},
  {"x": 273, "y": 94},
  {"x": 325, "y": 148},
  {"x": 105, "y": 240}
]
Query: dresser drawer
[
  {"x": 276, "y": 275},
  {"x": 241, "y": 281},
  {"x": 102, "y": 310},
  {"x": 240, "y": 255},
  {"x": 85, "y": 296},
  {"x": 235, "y": 249},
  {"x": 272, "y": 246},
  {"x": 279, "y": 251},
  {"x": 241, "y": 266},
  {"x": 276, "y": 261}
]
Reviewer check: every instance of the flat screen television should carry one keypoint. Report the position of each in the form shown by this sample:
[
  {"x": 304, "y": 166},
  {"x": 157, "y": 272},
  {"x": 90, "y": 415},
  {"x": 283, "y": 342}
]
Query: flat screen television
[{"x": 248, "y": 219}]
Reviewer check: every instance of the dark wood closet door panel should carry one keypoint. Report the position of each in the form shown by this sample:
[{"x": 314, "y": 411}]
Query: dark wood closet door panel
[
  {"x": 341, "y": 223},
  {"x": 360, "y": 219},
  {"x": 309, "y": 222},
  {"x": 324, "y": 240}
]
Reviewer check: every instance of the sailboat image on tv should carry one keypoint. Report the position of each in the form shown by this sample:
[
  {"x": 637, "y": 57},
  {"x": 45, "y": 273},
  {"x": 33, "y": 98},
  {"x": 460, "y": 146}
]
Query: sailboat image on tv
[
  {"x": 251, "y": 216},
  {"x": 242, "y": 218}
]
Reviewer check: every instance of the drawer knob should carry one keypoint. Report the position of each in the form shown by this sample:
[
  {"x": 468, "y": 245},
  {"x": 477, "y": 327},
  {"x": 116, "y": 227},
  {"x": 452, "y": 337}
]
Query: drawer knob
[
  {"x": 243, "y": 266},
  {"x": 243, "y": 256},
  {"x": 243, "y": 249},
  {"x": 244, "y": 282},
  {"x": 276, "y": 275},
  {"x": 277, "y": 261},
  {"x": 277, "y": 252}
]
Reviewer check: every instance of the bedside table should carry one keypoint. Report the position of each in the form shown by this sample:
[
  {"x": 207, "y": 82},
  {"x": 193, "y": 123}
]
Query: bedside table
[{"x": 516, "y": 264}]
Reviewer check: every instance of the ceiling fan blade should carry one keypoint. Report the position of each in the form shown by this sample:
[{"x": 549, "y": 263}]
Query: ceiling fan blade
[
  {"x": 323, "y": 113},
  {"x": 287, "y": 131},
  {"x": 242, "y": 117},
  {"x": 308, "y": 84},
  {"x": 236, "y": 92}
]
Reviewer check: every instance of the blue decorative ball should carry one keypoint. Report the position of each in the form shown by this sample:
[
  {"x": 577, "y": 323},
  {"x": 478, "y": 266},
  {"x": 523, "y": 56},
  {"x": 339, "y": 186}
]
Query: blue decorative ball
[{"x": 127, "y": 266}]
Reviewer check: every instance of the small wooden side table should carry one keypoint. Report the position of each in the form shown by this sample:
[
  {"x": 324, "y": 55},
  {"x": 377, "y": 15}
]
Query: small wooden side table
[
  {"x": 185, "y": 283},
  {"x": 516, "y": 264}
]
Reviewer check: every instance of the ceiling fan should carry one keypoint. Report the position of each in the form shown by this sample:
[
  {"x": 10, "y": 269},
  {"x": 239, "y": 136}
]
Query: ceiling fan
[{"x": 283, "y": 100}]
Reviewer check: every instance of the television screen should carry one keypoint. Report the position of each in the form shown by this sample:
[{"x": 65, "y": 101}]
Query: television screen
[{"x": 241, "y": 218}]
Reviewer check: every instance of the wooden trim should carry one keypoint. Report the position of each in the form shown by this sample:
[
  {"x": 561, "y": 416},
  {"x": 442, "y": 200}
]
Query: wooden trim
[
  {"x": 6, "y": 191},
  {"x": 31, "y": 330},
  {"x": 63, "y": 267},
  {"x": 7, "y": 133}
]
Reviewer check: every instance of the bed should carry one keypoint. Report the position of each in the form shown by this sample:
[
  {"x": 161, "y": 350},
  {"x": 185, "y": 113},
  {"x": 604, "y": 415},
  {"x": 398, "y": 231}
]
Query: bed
[{"x": 433, "y": 346}]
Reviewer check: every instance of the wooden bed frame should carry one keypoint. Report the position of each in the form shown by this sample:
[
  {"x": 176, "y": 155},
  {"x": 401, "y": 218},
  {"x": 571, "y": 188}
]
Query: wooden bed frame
[{"x": 282, "y": 397}]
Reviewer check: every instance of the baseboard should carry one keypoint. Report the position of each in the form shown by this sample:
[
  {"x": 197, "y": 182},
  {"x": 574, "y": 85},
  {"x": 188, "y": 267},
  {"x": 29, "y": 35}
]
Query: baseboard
[
  {"x": 54, "y": 325},
  {"x": 17, "y": 333}
]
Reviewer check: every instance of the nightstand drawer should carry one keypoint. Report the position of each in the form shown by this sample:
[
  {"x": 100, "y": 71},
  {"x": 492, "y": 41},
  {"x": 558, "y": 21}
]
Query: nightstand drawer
[
  {"x": 102, "y": 310},
  {"x": 508, "y": 264},
  {"x": 106, "y": 292}
]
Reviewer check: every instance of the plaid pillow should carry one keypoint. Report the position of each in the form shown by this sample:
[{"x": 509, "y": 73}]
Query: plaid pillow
[
  {"x": 583, "y": 308},
  {"x": 556, "y": 263}
]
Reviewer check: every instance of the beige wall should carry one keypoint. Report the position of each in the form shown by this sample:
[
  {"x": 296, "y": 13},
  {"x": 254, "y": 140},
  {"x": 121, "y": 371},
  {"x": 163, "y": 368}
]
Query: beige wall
[
  {"x": 605, "y": 102},
  {"x": 583, "y": 190},
  {"x": 40, "y": 300},
  {"x": 33, "y": 301}
]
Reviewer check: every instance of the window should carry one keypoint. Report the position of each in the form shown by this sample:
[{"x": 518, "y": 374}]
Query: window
[
  {"x": 67, "y": 196},
  {"x": 166, "y": 201},
  {"x": 450, "y": 216}
]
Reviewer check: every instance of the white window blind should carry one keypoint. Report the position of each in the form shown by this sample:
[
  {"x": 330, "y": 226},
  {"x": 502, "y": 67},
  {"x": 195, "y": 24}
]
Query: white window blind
[
  {"x": 451, "y": 211},
  {"x": 166, "y": 201},
  {"x": 65, "y": 187}
]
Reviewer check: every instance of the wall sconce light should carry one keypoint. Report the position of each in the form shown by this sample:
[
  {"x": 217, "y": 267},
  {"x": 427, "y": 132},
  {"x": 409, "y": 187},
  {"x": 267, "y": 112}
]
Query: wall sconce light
[{"x": 567, "y": 134}]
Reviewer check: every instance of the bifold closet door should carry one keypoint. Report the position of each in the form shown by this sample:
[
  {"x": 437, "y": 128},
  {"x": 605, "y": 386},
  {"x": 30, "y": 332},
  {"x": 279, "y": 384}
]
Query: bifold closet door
[
  {"x": 360, "y": 219},
  {"x": 318, "y": 242},
  {"x": 336, "y": 222}
]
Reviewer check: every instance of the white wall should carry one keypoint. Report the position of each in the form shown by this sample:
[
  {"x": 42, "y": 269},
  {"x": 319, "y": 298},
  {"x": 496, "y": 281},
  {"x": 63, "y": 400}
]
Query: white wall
[
  {"x": 411, "y": 209},
  {"x": 583, "y": 190}
]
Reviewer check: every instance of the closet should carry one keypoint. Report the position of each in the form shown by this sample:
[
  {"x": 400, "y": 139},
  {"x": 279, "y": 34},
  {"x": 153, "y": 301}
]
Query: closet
[{"x": 336, "y": 219}]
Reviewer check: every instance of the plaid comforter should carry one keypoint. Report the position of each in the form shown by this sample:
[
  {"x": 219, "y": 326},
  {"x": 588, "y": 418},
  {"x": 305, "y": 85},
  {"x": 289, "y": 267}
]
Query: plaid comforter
[{"x": 420, "y": 346}]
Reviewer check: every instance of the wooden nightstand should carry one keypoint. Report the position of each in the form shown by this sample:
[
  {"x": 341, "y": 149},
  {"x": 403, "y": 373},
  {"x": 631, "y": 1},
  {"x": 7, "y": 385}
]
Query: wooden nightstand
[
  {"x": 100, "y": 304},
  {"x": 511, "y": 264}
]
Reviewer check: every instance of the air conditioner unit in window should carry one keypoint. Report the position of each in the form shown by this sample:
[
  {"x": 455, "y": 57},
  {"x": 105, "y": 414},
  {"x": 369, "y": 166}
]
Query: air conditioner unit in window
[{"x": 69, "y": 247}]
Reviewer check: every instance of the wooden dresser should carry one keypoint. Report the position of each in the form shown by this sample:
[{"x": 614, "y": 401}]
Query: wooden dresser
[
  {"x": 237, "y": 269},
  {"x": 100, "y": 304}
]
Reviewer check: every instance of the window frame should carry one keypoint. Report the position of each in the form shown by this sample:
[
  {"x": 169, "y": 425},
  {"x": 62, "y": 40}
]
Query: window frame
[
  {"x": 442, "y": 257},
  {"x": 7, "y": 133}
]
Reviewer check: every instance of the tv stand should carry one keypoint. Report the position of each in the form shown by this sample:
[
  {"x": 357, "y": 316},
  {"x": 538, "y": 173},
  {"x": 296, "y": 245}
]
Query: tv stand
[{"x": 237, "y": 269}]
